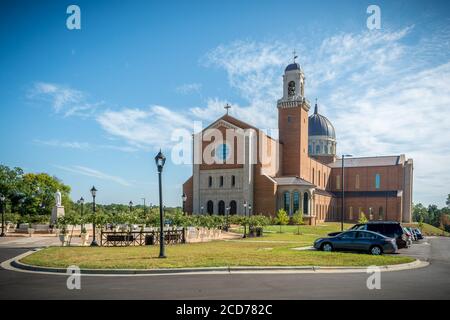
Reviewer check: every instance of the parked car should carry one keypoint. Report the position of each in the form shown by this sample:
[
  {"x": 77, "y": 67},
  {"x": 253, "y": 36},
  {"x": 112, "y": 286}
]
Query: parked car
[
  {"x": 367, "y": 241},
  {"x": 413, "y": 233},
  {"x": 391, "y": 229},
  {"x": 409, "y": 237},
  {"x": 418, "y": 233}
]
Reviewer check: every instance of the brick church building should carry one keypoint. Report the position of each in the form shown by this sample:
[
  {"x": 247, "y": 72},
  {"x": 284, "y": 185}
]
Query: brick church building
[{"x": 239, "y": 169}]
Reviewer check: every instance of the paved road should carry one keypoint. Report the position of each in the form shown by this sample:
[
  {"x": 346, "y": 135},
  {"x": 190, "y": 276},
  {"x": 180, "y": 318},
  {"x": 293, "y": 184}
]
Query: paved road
[{"x": 432, "y": 282}]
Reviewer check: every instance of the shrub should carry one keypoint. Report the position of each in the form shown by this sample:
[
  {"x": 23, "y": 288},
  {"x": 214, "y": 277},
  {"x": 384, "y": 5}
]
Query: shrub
[
  {"x": 282, "y": 218},
  {"x": 362, "y": 218}
]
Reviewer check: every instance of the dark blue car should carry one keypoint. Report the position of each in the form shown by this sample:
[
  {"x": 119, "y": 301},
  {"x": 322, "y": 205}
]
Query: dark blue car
[{"x": 366, "y": 241}]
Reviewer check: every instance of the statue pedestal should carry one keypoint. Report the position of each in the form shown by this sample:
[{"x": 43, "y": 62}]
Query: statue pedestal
[{"x": 57, "y": 211}]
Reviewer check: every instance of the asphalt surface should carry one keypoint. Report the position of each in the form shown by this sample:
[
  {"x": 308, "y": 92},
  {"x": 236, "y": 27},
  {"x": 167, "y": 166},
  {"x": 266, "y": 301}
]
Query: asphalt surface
[{"x": 432, "y": 282}]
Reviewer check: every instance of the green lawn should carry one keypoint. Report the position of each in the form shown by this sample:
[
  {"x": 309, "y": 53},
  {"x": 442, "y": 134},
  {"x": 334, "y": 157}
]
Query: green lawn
[{"x": 275, "y": 251}]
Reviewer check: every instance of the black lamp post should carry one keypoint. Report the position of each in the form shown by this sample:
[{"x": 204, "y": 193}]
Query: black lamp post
[
  {"x": 2, "y": 200},
  {"x": 160, "y": 160},
  {"x": 343, "y": 190},
  {"x": 93, "y": 193},
  {"x": 184, "y": 198},
  {"x": 245, "y": 216},
  {"x": 81, "y": 202},
  {"x": 130, "y": 204},
  {"x": 201, "y": 210}
]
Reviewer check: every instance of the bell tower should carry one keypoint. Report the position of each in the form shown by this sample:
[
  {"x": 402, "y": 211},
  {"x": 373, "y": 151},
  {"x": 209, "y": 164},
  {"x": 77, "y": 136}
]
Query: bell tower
[{"x": 293, "y": 123}]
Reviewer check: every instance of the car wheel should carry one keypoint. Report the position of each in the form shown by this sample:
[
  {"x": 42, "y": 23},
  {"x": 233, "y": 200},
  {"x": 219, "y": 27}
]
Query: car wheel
[
  {"x": 376, "y": 251},
  {"x": 327, "y": 247}
]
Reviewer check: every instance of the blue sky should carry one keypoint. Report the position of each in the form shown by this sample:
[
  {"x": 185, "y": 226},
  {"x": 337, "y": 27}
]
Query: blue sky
[{"x": 93, "y": 106}]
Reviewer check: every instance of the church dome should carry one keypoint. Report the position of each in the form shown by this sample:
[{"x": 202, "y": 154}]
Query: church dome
[
  {"x": 292, "y": 66},
  {"x": 319, "y": 125}
]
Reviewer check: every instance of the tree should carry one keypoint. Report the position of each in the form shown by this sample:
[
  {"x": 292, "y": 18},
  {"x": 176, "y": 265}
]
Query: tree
[
  {"x": 297, "y": 219},
  {"x": 282, "y": 218},
  {"x": 362, "y": 218},
  {"x": 447, "y": 202}
]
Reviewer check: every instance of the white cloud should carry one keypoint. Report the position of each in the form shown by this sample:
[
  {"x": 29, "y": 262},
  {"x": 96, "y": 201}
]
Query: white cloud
[
  {"x": 384, "y": 94},
  {"x": 63, "y": 144},
  {"x": 95, "y": 174},
  {"x": 143, "y": 128},
  {"x": 189, "y": 88},
  {"x": 64, "y": 100}
]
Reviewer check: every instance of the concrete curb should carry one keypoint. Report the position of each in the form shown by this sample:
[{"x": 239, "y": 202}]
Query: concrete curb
[{"x": 15, "y": 265}]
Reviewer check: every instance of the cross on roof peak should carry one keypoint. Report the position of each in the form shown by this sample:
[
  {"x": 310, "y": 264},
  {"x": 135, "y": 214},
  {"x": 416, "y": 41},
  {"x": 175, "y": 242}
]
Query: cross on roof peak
[{"x": 227, "y": 107}]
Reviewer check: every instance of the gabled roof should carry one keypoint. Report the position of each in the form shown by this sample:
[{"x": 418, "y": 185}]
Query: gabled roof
[
  {"x": 236, "y": 122},
  {"x": 368, "y": 162}
]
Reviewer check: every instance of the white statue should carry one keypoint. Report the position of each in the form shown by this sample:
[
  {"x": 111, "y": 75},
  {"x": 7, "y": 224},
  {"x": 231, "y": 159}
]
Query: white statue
[{"x": 58, "y": 198}]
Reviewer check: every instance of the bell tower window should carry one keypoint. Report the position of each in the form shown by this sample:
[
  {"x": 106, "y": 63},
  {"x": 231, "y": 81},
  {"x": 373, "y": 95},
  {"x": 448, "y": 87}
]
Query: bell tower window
[{"x": 291, "y": 88}]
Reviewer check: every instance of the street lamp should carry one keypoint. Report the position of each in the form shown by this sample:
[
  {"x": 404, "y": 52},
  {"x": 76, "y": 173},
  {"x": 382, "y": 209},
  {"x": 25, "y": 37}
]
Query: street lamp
[
  {"x": 81, "y": 202},
  {"x": 245, "y": 216},
  {"x": 184, "y": 198},
  {"x": 343, "y": 187},
  {"x": 201, "y": 210},
  {"x": 2, "y": 200},
  {"x": 160, "y": 160},
  {"x": 93, "y": 193}
]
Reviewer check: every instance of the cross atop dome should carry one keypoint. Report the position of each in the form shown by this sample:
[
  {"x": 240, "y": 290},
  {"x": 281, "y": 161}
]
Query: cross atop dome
[{"x": 295, "y": 55}]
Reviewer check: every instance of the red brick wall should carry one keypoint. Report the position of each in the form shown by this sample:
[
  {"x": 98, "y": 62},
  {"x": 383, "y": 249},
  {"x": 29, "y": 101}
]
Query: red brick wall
[{"x": 188, "y": 190}]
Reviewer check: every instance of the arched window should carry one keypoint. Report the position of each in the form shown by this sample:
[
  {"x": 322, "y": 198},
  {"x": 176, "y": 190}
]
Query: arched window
[
  {"x": 350, "y": 213},
  {"x": 287, "y": 201},
  {"x": 305, "y": 203},
  {"x": 317, "y": 149},
  {"x": 318, "y": 177},
  {"x": 296, "y": 200},
  {"x": 221, "y": 181},
  {"x": 233, "y": 207},
  {"x": 291, "y": 88},
  {"x": 380, "y": 213},
  {"x": 233, "y": 181},
  {"x": 377, "y": 181},
  {"x": 221, "y": 207},
  {"x": 210, "y": 181},
  {"x": 338, "y": 182},
  {"x": 210, "y": 207},
  {"x": 357, "y": 181}
]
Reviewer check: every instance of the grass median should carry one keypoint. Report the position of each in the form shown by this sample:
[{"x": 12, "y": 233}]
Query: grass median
[{"x": 274, "y": 249}]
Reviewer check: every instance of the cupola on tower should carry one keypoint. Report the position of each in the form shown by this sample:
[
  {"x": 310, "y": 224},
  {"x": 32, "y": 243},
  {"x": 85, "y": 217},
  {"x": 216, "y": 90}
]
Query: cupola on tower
[{"x": 321, "y": 137}]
